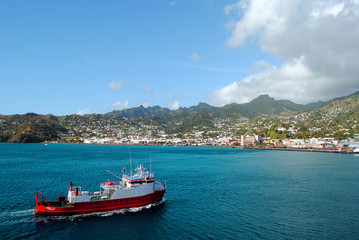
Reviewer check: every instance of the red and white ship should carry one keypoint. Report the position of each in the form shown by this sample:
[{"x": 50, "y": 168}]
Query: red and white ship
[{"x": 134, "y": 190}]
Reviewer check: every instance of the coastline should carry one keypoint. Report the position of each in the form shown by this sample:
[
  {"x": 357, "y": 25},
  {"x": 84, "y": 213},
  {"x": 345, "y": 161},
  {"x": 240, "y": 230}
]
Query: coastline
[
  {"x": 293, "y": 149},
  {"x": 220, "y": 146}
]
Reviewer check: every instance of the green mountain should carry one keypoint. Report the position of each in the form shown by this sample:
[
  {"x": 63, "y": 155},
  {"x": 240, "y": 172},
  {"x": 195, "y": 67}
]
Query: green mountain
[
  {"x": 140, "y": 111},
  {"x": 203, "y": 114},
  {"x": 341, "y": 108},
  {"x": 263, "y": 104},
  {"x": 30, "y": 127},
  {"x": 338, "y": 118}
]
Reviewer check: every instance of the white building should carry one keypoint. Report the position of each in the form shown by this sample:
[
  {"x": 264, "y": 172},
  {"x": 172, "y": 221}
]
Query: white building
[{"x": 247, "y": 140}]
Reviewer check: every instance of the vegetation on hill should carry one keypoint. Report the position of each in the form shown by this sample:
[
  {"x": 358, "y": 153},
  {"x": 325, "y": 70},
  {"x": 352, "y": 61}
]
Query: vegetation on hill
[
  {"x": 29, "y": 128},
  {"x": 264, "y": 116},
  {"x": 263, "y": 104}
]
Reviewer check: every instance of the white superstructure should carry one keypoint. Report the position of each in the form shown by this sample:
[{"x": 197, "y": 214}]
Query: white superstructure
[{"x": 139, "y": 184}]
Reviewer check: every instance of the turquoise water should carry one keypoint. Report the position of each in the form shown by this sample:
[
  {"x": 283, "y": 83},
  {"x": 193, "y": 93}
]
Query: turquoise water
[{"x": 212, "y": 193}]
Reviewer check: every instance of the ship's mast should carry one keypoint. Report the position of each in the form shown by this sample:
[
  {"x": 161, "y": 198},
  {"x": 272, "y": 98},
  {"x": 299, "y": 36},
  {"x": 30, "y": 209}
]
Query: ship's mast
[
  {"x": 130, "y": 160},
  {"x": 150, "y": 165}
]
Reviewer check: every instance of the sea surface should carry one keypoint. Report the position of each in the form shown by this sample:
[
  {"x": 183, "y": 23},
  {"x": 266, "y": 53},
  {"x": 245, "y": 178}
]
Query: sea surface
[{"x": 212, "y": 193}]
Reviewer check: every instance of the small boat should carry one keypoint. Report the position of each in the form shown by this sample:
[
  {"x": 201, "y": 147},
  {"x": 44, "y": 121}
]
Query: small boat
[
  {"x": 134, "y": 190},
  {"x": 347, "y": 150}
]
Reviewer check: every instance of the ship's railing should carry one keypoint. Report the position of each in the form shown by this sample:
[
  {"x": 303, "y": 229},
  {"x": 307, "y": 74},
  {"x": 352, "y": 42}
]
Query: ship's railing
[
  {"x": 158, "y": 186},
  {"x": 143, "y": 174},
  {"x": 113, "y": 184}
]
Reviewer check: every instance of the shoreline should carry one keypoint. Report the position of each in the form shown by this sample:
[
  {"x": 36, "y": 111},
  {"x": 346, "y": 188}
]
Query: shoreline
[
  {"x": 294, "y": 149},
  {"x": 240, "y": 147},
  {"x": 254, "y": 148}
]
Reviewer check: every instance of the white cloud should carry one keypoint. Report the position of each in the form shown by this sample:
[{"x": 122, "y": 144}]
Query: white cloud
[
  {"x": 177, "y": 95},
  {"x": 84, "y": 111},
  {"x": 172, "y": 3},
  {"x": 173, "y": 101},
  {"x": 174, "y": 105},
  {"x": 317, "y": 40},
  {"x": 116, "y": 86},
  {"x": 323, "y": 10},
  {"x": 292, "y": 81},
  {"x": 195, "y": 57},
  {"x": 260, "y": 65},
  {"x": 235, "y": 6},
  {"x": 148, "y": 90},
  {"x": 120, "y": 105}
]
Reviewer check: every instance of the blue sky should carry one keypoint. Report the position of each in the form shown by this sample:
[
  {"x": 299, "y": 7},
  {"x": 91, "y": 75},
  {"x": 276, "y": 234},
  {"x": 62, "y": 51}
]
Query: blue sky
[{"x": 66, "y": 57}]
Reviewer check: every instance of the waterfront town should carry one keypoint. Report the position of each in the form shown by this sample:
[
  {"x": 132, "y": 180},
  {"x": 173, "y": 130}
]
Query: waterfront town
[
  {"x": 281, "y": 132},
  {"x": 333, "y": 126}
]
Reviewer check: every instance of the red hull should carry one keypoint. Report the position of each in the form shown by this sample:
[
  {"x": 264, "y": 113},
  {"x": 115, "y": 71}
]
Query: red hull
[{"x": 98, "y": 206}]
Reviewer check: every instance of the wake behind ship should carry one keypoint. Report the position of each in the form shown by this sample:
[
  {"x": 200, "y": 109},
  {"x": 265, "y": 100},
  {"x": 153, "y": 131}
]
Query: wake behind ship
[{"x": 134, "y": 190}]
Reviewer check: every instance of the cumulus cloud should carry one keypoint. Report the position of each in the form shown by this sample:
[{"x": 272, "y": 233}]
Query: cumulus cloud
[
  {"x": 260, "y": 65},
  {"x": 116, "y": 86},
  {"x": 120, "y": 105},
  {"x": 173, "y": 101},
  {"x": 195, "y": 57},
  {"x": 292, "y": 81},
  {"x": 173, "y": 105},
  {"x": 148, "y": 90},
  {"x": 84, "y": 111},
  {"x": 317, "y": 40}
]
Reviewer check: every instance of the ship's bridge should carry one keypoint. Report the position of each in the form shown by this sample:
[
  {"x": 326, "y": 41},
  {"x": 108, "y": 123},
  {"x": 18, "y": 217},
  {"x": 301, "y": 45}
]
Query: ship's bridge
[{"x": 141, "y": 176}]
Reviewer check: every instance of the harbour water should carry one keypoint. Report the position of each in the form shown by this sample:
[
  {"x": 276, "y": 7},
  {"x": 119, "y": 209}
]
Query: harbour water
[{"x": 212, "y": 193}]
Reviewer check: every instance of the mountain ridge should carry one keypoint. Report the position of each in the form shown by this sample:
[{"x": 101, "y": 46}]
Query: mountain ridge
[
  {"x": 263, "y": 104},
  {"x": 334, "y": 117}
]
